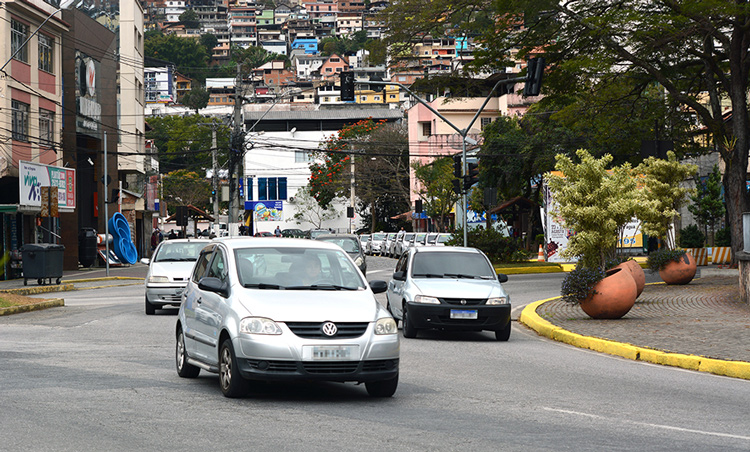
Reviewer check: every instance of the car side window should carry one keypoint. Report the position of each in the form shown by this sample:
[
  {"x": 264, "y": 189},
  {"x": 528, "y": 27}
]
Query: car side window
[
  {"x": 200, "y": 266},
  {"x": 218, "y": 267},
  {"x": 401, "y": 264}
]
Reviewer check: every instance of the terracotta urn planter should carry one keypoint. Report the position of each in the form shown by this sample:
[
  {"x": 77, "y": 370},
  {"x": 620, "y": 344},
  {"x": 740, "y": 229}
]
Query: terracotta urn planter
[
  {"x": 639, "y": 276},
  {"x": 677, "y": 273},
  {"x": 612, "y": 297}
]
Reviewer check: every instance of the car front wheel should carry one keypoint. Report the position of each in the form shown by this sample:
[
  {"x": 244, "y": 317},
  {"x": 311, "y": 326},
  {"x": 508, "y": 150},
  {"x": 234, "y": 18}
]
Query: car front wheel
[
  {"x": 150, "y": 308},
  {"x": 504, "y": 334},
  {"x": 382, "y": 388},
  {"x": 408, "y": 329},
  {"x": 232, "y": 383},
  {"x": 184, "y": 369}
]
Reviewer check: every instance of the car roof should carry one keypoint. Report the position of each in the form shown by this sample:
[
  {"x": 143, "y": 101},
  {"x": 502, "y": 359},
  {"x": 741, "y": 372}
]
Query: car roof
[
  {"x": 445, "y": 249},
  {"x": 275, "y": 242},
  {"x": 187, "y": 240},
  {"x": 328, "y": 236}
]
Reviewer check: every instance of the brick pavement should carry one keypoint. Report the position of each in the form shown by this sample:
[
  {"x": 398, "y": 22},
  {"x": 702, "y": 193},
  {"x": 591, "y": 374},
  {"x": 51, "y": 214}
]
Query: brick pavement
[{"x": 704, "y": 318}]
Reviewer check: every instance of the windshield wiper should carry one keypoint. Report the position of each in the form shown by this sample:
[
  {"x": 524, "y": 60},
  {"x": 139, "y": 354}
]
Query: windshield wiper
[
  {"x": 263, "y": 286},
  {"x": 322, "y": 287},
  {"x": 427, "y": 275},
  {"x": 461, "y": 275}
]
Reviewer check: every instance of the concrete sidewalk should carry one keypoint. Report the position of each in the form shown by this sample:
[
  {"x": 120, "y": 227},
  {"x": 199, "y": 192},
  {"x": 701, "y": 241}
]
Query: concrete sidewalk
[
  {"x": 84, "y": 278},
  {"x": 701, "y": 326}
]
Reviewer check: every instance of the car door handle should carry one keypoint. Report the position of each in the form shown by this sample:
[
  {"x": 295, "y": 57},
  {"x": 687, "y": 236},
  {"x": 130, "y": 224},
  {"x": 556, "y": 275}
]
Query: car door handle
[{"x": 199, "y": 300}]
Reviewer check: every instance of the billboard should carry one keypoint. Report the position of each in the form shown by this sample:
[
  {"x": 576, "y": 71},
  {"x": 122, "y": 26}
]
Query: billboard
[
  {"x": 33, "y": 176},
  {"x": 266, "y": 210}
]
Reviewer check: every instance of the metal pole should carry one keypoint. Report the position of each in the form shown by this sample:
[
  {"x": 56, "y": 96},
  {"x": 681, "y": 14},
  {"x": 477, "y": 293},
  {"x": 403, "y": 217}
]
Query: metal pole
[
  {"x": 465, "y": 193},
  {"x": 351, "y": 220},
  {"x": 106, "y": 208},
  {"x": 215, "y": 178}
]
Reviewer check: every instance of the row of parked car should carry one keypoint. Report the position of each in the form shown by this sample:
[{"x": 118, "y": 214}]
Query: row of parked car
[{"x": 394, "y": 244}]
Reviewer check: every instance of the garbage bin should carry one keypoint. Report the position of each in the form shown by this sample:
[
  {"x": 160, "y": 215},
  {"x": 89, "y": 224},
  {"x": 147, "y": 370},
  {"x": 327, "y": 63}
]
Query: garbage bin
[
  {"x": 87, "y": 239},
  {"x": 42, "y": 261}
]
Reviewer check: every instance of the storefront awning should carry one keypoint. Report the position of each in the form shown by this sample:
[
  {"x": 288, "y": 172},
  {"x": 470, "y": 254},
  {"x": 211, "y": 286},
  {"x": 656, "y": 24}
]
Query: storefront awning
[{"x": 8, "y": 208}]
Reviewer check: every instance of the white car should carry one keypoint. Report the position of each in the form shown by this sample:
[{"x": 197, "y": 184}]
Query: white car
[
  {"x": 448, "y": 288},
  {"x": 169, "y": 270},
  {"x": 258, "y": 309}
]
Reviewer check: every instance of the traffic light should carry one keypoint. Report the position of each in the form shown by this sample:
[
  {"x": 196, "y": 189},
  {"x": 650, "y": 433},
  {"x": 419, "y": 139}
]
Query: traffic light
[
  {"x": 418, "y": 206},
  {"x": 350, "y": 212},
  {"x": 456, "y": 186},
  {"x": 472, "y": 175},
  {"x": 376, "y": 88},
  {"x": 347, "y": 86},
  {"x": 457, "y": 167},
  {"x": 534, "y": 72}
]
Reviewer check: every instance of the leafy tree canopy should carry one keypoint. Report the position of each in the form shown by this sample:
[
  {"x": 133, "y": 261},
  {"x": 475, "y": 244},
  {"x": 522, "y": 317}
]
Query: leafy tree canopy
[
  {"x": 188, "y": 55},
  {"x": 183, "y": 187},
  {"x": 186, "y": 142}
]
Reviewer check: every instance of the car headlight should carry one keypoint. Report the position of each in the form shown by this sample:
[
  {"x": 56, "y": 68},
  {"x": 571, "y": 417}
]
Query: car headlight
[
  {"x": 426, "y": 300},
  {"x": 259, "y": 325},
  {"x": 498, "y": 300},
  {"x": 386, "y": 325},
  {"x": 158, "y": 279},
  {"x": 358, "y": 261}
]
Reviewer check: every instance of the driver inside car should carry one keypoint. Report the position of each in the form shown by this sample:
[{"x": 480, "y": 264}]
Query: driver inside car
[{"x": 308, "y": 270}]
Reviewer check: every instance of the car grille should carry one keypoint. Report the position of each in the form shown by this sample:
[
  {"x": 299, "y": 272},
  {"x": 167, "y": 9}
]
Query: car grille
[
  {"x": 467, "y": 301},
  {"x": 171, "y": 297},
  {"x": 340, "y": 367},
  {"x": 314, "y": 330}
]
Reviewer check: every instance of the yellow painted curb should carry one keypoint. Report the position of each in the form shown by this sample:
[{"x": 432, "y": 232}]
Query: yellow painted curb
[
  {"x": 40, "y": 289},
  {"x": 55, "y": 302},
  {"x": 104, "y": 278},
  {"x": 529, "y": 317},
  {"x": 108, "y": 285}
]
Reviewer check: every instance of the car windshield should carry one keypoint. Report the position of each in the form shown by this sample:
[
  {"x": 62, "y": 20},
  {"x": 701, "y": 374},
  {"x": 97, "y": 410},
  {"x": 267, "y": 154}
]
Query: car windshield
[
  {"x": 451, "y": 265},
  {"x": 348, "y": 244},
  {"x": 431, "y": 238},
  {"x": 364, "y": 238},
  {"x": 443, "y": 238},
  {"x": 420, "y": 238},
  {"x": 179, "y": 251},
  {"x": 282, "y": 268},
  {"x": 408, "y": 236},
  {"x": 378, "y": 237}
]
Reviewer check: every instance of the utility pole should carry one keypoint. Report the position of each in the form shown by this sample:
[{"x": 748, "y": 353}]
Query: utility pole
[
  {"x": 215, "y": 177},
  {"x": 234, "y": 154},
  {"x": 352, "y": 197}
]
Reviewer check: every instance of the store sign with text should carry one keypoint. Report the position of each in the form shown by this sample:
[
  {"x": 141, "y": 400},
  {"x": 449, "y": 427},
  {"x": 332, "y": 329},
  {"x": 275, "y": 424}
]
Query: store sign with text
[{"x": 34, "y": 176}]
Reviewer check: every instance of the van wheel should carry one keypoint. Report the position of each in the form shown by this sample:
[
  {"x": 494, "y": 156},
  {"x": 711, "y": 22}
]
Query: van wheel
[{"x": 408, "y": 329}]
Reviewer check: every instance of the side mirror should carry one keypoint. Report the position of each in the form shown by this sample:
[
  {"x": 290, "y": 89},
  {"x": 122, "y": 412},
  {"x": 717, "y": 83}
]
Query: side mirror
[
  {"x": 378, "y": 286},
  {"x": 502, "y": 277},
  {"x": 399, "y": 276},
  {"x": 214, "y": 285},
  {"x": 145, "y": 261}
]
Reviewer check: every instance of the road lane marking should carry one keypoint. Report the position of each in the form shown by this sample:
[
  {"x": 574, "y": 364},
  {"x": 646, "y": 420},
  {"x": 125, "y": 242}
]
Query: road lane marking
[{"x": 647, "y": 424}]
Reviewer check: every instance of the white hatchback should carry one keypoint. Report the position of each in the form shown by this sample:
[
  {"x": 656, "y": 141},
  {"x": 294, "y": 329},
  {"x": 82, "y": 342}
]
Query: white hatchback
[{"x": 282, "y": 310}]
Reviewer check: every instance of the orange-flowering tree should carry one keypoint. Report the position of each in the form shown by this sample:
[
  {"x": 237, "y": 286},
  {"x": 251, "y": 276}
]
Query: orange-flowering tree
[{"x": 330, "y": 174}]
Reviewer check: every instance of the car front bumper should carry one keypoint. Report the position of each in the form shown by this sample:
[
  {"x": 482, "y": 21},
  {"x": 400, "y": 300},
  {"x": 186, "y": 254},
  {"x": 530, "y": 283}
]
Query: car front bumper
[
  {"x": 488, "y": 318},
  {"x": 165, "y": 295},
  {"x": 283, "y": 357}
]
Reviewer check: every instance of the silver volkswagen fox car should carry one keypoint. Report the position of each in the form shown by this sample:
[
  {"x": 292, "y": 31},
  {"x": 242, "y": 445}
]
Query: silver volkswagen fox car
[{"x": 281, "y": 310}]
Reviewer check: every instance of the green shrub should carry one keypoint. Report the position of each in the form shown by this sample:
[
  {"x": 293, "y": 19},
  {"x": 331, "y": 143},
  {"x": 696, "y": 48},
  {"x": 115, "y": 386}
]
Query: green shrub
[
  {"x": 579, "y": 283},
  {"x": 692, "y": 237},
  {"x": 499, "y": 248},
  {"x": 658, "y": 259},
  {"x": 723, "y": 238}
]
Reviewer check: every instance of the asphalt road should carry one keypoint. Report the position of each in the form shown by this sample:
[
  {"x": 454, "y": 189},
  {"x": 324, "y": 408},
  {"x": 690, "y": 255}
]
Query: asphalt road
[{"x": 98, "y": 374}]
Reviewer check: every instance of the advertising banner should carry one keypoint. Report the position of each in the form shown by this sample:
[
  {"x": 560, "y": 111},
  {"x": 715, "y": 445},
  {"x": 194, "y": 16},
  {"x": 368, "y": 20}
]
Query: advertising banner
[
  {"x": 266, "y": 210},
  {"x": 33, "y": 176}
]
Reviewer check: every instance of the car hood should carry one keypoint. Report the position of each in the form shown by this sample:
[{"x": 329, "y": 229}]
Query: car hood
[
  {"x": 459, "y": 288},
  {"x": 172, "y": 269},
  {"x": 311, "y": 305}
]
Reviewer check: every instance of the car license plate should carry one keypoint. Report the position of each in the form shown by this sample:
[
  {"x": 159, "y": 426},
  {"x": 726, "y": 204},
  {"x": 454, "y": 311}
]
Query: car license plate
[
  {"x": 331, "y": 352},
  {"x": 463, "y": 313}
]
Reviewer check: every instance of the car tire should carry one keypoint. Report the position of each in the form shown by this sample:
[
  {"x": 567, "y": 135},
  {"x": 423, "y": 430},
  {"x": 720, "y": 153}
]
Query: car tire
[
  {"x": 231, "y": 382},
  {"x": 406, "y": 326},
  {"x": 390, "y": 310},
  {"x": 184, "y": 369},
  {"x": 382, "y": 388},
  {"x": 150, "y": 308},
  {"x": 504, "y": 334}
]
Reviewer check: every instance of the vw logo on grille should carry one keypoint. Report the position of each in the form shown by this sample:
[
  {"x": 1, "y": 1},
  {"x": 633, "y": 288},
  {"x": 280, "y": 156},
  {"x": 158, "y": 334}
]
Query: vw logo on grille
[
  {"x": 463, "y": 301},
  {"x": 329, "y": 329}
]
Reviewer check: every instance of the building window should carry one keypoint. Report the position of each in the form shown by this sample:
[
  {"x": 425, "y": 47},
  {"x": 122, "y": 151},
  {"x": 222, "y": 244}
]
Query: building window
[
  {"x": 18, "y": 34},
  {"x": 45, "y": 53},
  {"x": 485, "y": 121},
  {"x": 20, "y": 119},
  {"x": 425, "y": 129},
  {"x": 271, "y": 188},
  {"x": 46, "y": 127},
  {"x": 302, "y": 157},
  {"x": 377, "y": 98}
]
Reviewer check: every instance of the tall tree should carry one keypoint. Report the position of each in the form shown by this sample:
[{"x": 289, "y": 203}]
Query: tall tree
[
  {"x": 196, "y": 98},
  {"x": 309, "y": 211},
  {"x": 183, "y": 187},
  {"x": 189, "y": 56},
  {"x": 696, "y": 53},
  {"x": 436, "y": 188},
  {"x": 186, "y": 142}
]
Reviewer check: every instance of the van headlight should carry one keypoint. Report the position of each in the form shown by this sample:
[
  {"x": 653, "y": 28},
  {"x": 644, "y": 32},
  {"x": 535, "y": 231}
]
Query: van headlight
[
  {"x": 158, "y": 279},
  {"x": 426, "y": 300},
  {"x": 498, "y": 300},
  {"x": 386, "y": 325},
  {"x": 259, "y": 325}
]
